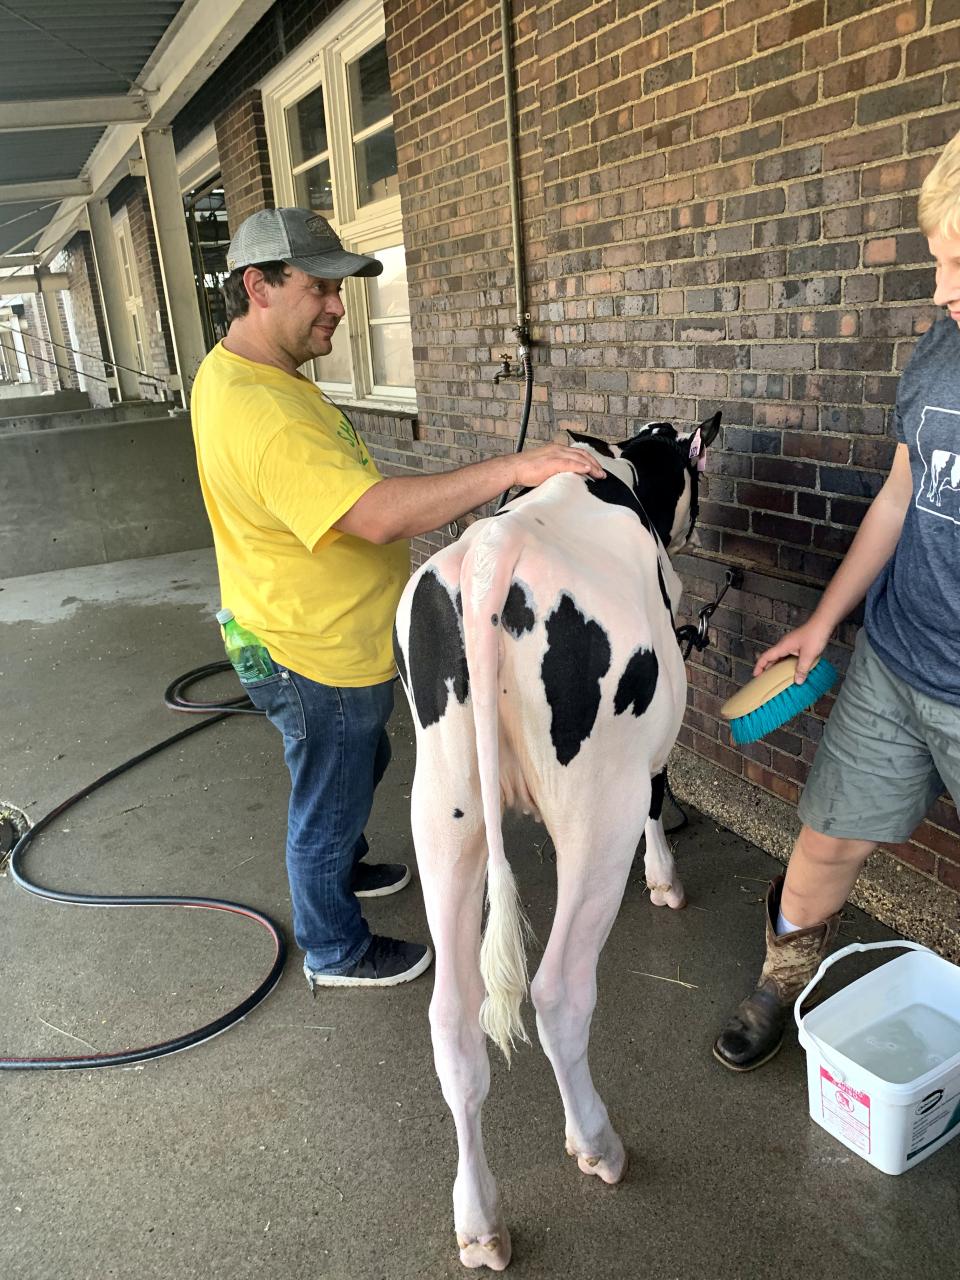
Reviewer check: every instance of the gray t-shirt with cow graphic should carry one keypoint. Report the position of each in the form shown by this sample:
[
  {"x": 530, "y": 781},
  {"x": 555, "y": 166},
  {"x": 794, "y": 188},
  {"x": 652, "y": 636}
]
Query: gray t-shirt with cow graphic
[{"x": 913, "y": 608}]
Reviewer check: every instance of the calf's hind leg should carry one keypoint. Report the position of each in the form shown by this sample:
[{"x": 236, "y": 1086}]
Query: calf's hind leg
[
  {"x": 451, "y": 856},
  {"x": 592, "y": 871}
]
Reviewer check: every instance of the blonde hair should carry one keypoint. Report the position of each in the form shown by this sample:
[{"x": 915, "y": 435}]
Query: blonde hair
[{"x": 938, "y": 210}]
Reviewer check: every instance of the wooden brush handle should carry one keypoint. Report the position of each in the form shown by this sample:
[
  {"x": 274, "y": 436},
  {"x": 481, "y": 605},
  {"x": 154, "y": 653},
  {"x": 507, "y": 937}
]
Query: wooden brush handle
[{"x": 760, "y": 690}]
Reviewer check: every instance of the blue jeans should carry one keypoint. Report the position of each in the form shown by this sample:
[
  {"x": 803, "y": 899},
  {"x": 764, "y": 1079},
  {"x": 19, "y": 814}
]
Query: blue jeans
[{"x": 336, "y": 748}]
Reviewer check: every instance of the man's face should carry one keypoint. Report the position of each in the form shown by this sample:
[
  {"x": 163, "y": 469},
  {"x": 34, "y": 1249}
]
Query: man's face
[
  {"x": 946, "y": 253},
  {"x": 304, "y": 312}
]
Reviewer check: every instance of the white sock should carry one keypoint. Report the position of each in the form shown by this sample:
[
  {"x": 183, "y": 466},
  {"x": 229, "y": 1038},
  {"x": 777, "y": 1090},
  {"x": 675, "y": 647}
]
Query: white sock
[{"x": 785, "y": 926}]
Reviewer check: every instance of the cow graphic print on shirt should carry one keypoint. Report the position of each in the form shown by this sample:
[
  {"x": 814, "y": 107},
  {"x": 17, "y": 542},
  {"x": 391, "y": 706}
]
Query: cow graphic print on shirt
[{"x": 938, "y": 443}]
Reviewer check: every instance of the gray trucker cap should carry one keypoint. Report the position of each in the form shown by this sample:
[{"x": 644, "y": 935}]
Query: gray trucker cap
[{"x": 300, "y": 238}]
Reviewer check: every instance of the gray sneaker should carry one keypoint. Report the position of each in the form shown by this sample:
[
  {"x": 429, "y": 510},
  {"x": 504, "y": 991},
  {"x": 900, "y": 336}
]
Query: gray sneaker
[{"x": 385, "y": 963}]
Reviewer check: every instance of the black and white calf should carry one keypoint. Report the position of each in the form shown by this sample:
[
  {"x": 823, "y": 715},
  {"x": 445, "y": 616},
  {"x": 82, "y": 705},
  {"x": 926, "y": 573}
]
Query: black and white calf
[
  {"x": 944, "y": 474},
  {"x": 539, "y": 657}
]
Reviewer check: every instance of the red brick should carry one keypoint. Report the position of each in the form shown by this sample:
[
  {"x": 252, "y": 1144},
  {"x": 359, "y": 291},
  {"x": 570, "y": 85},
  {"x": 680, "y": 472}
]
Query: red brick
[
  {"x": 821, "y": 50},
  {"x": 860, "y": 73},
  {"x": 862, "y": 147},
  {"x": 931, "y": 51},
  {"x": 944, "y": 814},
  {"x": 799, "y": 20},
  {"x": 771, "y": 781},
  {"x": 825, "y": 121},
  {"x": 938, "y": 841},
  {"x": 885, "y": 24},
  {"x": 948, "y": 873},
  {"x": 721, "y": 53},
  {"x": 920, "y": 859}
]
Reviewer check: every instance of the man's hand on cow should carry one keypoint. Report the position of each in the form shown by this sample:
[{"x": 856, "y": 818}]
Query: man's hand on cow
[
  {"x": 540, "y": 464},
  {"x": 806, "y": 643}
]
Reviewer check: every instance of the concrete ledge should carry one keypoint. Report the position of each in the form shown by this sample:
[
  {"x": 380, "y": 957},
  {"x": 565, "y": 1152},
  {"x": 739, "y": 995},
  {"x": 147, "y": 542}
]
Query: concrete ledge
[
  {"x": 48, "y": 402},
  {"x": 129, "y": 411},
  {"x": 887, "y": 890},
  {"x": 90, "y": 495}
]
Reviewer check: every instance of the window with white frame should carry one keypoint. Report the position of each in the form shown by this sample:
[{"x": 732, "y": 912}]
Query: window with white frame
[{"x": 332, "y": 149}]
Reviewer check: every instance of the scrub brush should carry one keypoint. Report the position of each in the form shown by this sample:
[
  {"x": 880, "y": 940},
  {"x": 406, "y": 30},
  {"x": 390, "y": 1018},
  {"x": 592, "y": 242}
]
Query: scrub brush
[{"x": 772, "y": 698}]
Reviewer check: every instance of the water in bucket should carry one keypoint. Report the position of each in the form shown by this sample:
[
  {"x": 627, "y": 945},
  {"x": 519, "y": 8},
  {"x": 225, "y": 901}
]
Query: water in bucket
[{"x": 902, "y": 1046}]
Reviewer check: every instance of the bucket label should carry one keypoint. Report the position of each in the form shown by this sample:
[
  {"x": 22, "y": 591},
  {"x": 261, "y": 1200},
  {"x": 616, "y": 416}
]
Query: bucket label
[
  {"x": 846, "y": 1111},
  {"x": 934, "y": 1117}
]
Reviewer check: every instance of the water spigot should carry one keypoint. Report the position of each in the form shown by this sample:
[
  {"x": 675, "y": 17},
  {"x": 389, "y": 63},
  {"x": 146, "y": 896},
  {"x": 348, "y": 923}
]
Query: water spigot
[{"x": 505, "y": 370}]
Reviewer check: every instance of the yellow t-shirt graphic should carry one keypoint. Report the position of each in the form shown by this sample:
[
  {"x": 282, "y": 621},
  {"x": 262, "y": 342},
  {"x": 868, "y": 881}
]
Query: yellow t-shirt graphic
[{"x": 279, "y": 465}]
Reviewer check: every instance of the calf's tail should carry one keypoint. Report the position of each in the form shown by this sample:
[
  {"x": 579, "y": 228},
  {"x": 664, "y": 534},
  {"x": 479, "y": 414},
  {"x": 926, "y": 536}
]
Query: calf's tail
[{"x": 485, "y": 580}]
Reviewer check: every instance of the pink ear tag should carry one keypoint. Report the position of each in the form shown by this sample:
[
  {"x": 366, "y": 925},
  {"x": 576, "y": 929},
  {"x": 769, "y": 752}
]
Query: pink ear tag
[{"x": 697, "y": 452}]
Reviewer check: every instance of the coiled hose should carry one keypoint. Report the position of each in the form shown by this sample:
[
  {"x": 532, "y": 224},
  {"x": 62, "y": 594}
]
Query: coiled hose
[{"x": 174, "y": 699}]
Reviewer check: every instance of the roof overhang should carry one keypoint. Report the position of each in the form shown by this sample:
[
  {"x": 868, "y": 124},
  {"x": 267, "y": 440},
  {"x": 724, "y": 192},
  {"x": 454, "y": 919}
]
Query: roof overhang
[
  {"x": 71, "y": 113},
  {"x": 75, "y": 148}
]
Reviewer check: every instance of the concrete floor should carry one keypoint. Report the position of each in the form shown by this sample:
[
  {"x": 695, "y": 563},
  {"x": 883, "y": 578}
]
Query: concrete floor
[{"x": 311, "y": 1140}]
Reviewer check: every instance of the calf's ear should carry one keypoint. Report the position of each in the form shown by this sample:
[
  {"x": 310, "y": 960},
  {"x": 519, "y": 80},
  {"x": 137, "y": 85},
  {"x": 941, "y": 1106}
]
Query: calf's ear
[
  {"x": 704, "y": 435},
  {"x": 603, "y": 447},
  {"x": 709, "y": 430}
]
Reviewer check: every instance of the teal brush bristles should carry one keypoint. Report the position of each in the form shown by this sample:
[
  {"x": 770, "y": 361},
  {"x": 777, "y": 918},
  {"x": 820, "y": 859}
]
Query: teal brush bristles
[{"x": 785, "y": 705}]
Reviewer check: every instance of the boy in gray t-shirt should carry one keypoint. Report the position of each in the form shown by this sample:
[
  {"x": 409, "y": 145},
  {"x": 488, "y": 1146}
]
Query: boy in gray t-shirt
[{"x": 892, "y": 742}]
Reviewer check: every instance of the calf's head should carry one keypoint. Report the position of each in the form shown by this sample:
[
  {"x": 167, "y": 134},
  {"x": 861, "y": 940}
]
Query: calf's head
[{"x": 662, "y": 468}]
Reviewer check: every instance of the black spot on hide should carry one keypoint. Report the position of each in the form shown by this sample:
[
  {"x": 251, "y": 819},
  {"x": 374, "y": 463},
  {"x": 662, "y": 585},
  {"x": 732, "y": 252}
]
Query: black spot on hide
[
  {"x": 398, "y": 657},
  {"x": 661, "y": 474},
  {"x": 517, "y": 615},
  {"x": 614, "y": 491},
  {"x": 458, "y": 813},
  {"x": 635, "y": 690},
  {"x": 659, "y": 781},
  {"x": 610, "y": 489},
  {"x": 577, "y": 657},
  {"x": 664, "y": 593},
  {"x": 438, "y": 664}
]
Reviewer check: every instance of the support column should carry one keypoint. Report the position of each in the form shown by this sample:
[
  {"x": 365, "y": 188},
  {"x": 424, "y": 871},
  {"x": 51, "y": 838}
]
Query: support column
[
  {"x": 119, "y": 329},
  {"x": 58, "y": 338},
  {"x": 173, "y": 248}
]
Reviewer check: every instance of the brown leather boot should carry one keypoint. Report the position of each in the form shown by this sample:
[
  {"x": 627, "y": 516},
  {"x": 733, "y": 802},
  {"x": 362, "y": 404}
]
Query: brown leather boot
[{"x": 755, "y": 1032}]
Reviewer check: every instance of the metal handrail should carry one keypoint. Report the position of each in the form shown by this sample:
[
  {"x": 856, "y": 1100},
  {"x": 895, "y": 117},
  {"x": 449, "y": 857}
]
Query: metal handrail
[{"x": 112, "y": 364}]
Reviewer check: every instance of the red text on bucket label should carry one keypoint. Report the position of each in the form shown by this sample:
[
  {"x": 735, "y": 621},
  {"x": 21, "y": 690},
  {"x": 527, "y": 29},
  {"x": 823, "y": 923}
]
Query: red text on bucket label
[{"x": 846, "y": 1111}]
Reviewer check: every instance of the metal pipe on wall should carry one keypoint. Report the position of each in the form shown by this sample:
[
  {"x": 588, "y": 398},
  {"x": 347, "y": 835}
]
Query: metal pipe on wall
[{"x": 510, "y": 112}]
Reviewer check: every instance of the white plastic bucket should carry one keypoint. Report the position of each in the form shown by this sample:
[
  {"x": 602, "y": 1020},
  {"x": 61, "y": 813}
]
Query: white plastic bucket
[{"x": 894, "y": 1126}]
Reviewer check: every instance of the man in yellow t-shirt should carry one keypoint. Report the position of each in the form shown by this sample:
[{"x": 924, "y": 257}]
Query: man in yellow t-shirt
[{"x": 312, "y": 556}]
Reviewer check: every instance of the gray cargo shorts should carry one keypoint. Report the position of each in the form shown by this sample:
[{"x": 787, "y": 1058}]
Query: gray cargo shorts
[{"x": 888, "y": 751}]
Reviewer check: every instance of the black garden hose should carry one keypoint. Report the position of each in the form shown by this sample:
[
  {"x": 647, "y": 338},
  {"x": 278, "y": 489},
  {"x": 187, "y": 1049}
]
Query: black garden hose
[
  {"x": 172, "y": 698},
  {"x": 527, "y": 365}
]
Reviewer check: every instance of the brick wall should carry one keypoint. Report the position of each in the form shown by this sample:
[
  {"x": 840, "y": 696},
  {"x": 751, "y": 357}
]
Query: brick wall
[
  {"x": 77, "y": 261},
  {"x": 132, "y": 194},
  {"x": 158, "y": 336},
  {"x": 244, "y": 160},
  {"x": 41, "y": 358},
  {"x": 446, "y": 75},
  {"x": 719, "y": 211}
]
